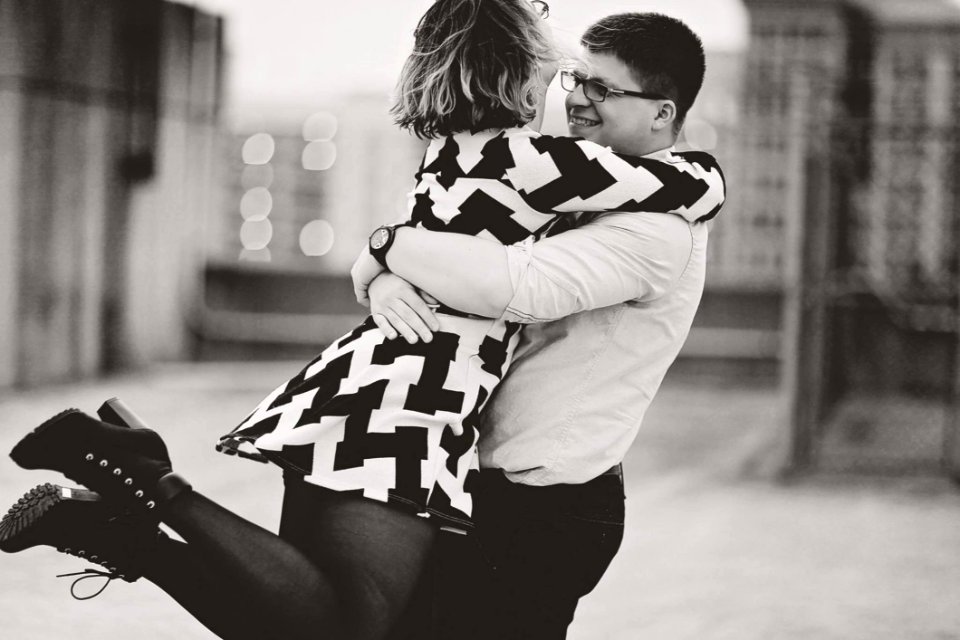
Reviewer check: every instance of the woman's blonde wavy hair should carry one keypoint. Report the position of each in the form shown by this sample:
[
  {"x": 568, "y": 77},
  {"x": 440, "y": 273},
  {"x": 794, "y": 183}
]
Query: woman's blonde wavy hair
[{"x": 475, "y": 65}]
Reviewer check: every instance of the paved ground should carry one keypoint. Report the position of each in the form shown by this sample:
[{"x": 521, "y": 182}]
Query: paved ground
[{"x": 715, "y": 549}]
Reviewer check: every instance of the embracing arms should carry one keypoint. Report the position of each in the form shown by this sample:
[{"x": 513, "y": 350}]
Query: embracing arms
[{"x": 615, "y": 258}]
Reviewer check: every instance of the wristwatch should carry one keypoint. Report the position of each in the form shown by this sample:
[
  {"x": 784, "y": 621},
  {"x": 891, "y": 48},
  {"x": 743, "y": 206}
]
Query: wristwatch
[{"x": 380, "y": 242}]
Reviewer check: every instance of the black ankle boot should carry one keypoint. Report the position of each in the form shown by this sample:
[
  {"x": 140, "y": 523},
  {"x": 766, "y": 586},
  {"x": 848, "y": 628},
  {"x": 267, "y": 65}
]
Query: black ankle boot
[
  {"x": 129, "y": 467},
  {"x": 80, "y": 523}
]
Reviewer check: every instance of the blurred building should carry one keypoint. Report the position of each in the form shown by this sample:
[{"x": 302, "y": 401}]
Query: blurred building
[
  {"x": 108, "y": 142},
  {"x": 864, "y": 79},
  {"x": 797, "y": 73},
  {"x": 348, "y": 167},
  {"x": 302, "y": 196},
  {"x": 271, "y": 201},
  {"x": 903, "y": 241},
  {"x": 850, "y": 202}
]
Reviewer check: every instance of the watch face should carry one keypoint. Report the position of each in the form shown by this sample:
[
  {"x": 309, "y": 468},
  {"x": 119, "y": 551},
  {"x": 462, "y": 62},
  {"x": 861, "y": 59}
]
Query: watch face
[{"x": 379, "y": 238}]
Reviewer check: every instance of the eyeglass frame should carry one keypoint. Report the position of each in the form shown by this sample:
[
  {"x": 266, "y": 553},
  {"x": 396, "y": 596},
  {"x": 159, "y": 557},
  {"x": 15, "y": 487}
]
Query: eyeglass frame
[
  {"x": 542, "y": 8},
  {"x": 581, "y": 80}
]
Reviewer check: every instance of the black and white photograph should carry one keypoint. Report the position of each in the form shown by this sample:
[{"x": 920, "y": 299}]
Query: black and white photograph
[{"x": 480, "y": 319}]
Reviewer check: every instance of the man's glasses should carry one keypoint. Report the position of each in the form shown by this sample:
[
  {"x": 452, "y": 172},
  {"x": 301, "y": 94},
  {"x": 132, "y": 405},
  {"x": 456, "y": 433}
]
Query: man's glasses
[
  {"x": 596, "y": 91},
  {"x": 542, "y": 8}
]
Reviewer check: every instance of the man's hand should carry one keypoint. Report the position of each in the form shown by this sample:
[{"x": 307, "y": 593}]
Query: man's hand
[
  {"x": 364, "y": 270},
  {"x": 397, "y": 307}
]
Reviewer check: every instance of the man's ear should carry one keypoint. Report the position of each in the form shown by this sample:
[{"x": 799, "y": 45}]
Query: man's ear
[{"x": 666, "y": 116}]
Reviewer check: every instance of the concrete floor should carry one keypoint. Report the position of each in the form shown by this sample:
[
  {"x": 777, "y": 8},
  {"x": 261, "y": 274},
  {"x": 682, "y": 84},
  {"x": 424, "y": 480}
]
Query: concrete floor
[{"x": 715, "y": 547}]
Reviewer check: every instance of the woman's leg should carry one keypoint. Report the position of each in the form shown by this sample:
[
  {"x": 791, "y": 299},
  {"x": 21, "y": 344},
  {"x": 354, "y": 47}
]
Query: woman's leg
[
  {"x": 267, "y": 581},
  {"x": 359, "y": 559},
  {"x": 346, "y": 570},
  {"x": 186, "y": 576},
  {"x": 374, "y": 552},
  {"x": 129, "y": 546}
]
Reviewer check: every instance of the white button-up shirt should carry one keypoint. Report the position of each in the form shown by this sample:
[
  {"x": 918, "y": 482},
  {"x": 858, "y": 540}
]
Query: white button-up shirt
[{"x": 584, "y": 374}]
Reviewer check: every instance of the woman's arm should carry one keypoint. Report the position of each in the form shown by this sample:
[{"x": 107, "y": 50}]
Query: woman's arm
[{"x": 568, "y": 175}]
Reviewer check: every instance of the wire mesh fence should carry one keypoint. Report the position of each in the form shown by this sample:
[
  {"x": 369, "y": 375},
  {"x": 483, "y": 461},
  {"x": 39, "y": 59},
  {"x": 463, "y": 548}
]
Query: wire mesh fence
[{"x": 878, "y": 309}]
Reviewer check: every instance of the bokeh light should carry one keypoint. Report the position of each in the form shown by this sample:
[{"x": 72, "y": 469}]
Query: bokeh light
[
  {"x": 320, "y": 126},
  {"x": 319, "y": 155},
  {"x": 258, "y": 148},
  {"x": 256, "y": 175},
  {"x": 256, "y": 234},
  {"x": 256, "y": 204},
  {"x": 316, "y": 238},
  {"x": 256, "y": 255},
  {"x": 700, "y": 134}
]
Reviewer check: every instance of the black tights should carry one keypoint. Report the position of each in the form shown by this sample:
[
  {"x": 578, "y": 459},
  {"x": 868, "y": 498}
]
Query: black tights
[{"x": 343, "y": 566}]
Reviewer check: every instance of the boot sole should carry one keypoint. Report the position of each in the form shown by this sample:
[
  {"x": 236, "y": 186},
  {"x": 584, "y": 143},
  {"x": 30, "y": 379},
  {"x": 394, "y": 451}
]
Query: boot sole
[{"x": 36, "y": 504}]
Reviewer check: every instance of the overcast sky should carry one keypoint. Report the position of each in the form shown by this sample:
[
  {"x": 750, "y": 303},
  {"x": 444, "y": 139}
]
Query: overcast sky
[{"x": 308, "y": 52}]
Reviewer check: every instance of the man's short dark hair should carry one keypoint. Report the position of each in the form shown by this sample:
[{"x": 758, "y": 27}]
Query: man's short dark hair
[{"x": 664, "y": 55}]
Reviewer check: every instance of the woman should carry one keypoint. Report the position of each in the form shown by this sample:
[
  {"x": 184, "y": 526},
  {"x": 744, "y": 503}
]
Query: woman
[{"x": 387, "y": 426}]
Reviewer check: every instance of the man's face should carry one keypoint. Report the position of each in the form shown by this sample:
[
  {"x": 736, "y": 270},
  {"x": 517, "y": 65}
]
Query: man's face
[{"x": 621, "y": 122}]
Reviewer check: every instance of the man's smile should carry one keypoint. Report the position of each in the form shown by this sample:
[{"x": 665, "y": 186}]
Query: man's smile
[{"x": 581, "y": 121}]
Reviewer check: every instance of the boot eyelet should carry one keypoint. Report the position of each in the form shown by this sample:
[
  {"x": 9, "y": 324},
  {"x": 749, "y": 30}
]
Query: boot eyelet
[
  {"x": 117, "y": 471},
  {"x": 138, "y": 493},
  {"x": 151, "y": 504},
  {"x": 111, "y": 568},
  {"x": 104, "y": 463},
  {"x": 82, "y": 553},
  {"x": 128, "y": 481},
  {"x": 94, "y": 558},
  {"x": 89, "y": 457}
]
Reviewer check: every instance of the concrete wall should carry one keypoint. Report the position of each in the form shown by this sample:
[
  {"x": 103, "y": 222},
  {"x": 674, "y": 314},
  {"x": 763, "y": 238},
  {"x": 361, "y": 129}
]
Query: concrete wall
[{"x": 108, "y": 134}]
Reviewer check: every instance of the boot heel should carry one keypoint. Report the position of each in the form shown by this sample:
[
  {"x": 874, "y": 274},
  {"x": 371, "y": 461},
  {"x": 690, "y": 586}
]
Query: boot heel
[{"x": 116, "y": 412}]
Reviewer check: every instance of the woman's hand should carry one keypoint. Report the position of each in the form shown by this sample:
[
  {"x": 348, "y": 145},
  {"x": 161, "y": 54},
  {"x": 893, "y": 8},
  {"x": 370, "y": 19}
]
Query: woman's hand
[
  {"x": 364, "y": 270},
  {"x": 397, "y": 307}
]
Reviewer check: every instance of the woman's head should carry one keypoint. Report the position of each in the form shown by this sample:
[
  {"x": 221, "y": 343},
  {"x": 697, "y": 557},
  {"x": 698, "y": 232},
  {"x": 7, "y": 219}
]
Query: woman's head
[{"x": 475, "y": 65}]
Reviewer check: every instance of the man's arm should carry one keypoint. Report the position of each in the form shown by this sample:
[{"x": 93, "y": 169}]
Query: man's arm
[
  {"x": 463, "y": 272},
  {"x": 615, "y": 258}
]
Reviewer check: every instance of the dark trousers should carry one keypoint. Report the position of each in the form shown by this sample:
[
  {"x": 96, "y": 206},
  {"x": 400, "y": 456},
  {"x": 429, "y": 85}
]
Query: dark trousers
[{"x": 535, "y": 552}]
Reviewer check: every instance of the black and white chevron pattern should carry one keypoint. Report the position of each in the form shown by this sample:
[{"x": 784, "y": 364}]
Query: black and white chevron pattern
[{"x": 398, "y": 422}]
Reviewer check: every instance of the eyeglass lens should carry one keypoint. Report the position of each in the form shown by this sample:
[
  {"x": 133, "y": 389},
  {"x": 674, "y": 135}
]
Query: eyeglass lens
[{"x": 592, "y": 89}]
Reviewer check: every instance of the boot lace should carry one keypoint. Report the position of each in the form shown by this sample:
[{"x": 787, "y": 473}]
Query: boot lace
[{"x": 89, "y": 573}]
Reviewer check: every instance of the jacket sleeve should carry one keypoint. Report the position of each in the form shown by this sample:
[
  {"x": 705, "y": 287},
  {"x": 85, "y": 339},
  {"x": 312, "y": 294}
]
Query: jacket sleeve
[{"x": 567, "y": 175}]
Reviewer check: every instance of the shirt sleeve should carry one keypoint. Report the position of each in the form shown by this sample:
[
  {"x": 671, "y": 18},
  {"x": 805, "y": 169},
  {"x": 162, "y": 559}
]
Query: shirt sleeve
[
  {"x": 565, "y": 175},
  {"x": 615, "y": 258}
]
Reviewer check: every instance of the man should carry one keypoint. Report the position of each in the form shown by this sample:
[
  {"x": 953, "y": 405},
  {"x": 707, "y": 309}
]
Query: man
[{"x": 611, "y": 301}]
